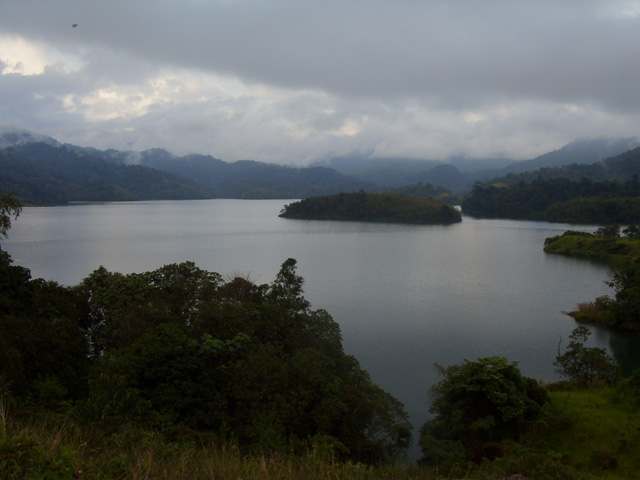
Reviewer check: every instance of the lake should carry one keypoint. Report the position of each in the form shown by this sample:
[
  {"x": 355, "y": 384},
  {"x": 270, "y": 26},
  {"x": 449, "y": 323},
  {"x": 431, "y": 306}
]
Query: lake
[{"x": 405, "y": 296}]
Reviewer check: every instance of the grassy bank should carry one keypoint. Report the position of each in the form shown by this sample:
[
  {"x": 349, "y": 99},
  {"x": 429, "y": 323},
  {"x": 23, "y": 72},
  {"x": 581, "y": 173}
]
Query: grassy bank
[
  {"x": 622, "y": 254},
  {"x": 586, "y": 434},
  {"x": 611, "y": 250}
]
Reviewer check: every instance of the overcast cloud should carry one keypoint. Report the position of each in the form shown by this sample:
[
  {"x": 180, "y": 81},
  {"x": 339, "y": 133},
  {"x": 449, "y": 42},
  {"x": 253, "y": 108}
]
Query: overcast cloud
[{"x": 294, "y": 81}]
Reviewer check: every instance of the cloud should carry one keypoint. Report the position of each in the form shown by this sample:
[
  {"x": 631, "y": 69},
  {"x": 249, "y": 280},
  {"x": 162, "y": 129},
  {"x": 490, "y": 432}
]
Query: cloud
[{"x": 290, "y": 81}]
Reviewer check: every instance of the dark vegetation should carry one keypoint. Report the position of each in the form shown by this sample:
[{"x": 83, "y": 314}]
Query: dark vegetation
[
  {"x": 477, "y": 405},
  {"x": 602, "y": 193},
  {"x": 369, "y": 207},
  {"x": 180, "y": 350},
  {"x": 622, "y": 253},
  {"x": 558, "y": 200}
]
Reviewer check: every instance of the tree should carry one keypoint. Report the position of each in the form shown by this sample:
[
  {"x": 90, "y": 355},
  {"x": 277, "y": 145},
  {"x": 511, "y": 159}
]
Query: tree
[
  {"x": 477, "y": 404},
  {"x": 626, "y": 284},
  {"x": 250, "y": 362},
  {"x": 632, "y": 231},
  {"x": 585, "y": 365},
  {"x": 610, "y": 231},
  {"x": 9, "y": 207}
]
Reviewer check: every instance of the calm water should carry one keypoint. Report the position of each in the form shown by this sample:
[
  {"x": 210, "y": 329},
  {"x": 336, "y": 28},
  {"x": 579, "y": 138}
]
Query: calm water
[{"x": 405, "y": 296}]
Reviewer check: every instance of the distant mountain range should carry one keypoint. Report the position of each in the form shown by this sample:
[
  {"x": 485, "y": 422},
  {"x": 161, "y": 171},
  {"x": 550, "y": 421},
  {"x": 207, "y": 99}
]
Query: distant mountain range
[
  {"x": 44, "y": 171},
  {"x": 459, "y": 174}
]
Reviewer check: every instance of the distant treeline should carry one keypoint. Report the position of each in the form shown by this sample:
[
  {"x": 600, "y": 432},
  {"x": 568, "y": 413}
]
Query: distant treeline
[
  {"x": 369, "y": 207},
  {"x": 424, "y": 190},
  {"x": 558, "y": 200}
]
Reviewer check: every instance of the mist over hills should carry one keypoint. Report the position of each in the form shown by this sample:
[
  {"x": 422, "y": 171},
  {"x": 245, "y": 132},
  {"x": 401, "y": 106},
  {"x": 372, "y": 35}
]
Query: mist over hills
[
  {"x": 45, "y": 171},
  {"x": 41, "y": 173},
  {"x": 459, "y": 174}
]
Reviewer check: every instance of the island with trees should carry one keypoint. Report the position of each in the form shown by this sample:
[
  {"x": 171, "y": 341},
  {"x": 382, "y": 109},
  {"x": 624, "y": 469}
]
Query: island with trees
[{"x": 371, "y": 207}]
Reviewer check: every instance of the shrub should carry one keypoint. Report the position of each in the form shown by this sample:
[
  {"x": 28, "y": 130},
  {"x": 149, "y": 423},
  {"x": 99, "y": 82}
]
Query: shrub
[
  {"x": 586, "y": 365},
  {"x": 476, "y": 405}
]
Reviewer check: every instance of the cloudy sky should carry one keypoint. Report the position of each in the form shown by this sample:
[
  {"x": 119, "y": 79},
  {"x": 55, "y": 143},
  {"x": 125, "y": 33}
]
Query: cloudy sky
[{"x": 292, "y": 81}]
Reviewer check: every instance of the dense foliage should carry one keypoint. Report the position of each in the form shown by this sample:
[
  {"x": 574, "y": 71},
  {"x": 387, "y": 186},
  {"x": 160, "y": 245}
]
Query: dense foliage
[
  {"x": 9, "y": 207},
  {"x": 46, "y": 174},
  {"x": 584, "y": 365},
  {"x": 558, "y": 200},
  {"x": 180, "y": 346},
  {"x": 370, "y": 207},
  {"x": 613, "y": 249},
  {"x": 476, "y": 405}
]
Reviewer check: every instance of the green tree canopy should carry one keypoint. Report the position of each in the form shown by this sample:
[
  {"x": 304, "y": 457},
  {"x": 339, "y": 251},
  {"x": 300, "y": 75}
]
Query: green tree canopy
[
  {"x": 476, "y": 404},
  {"x": 251, "y": 362},
  {"x": 585, "y": 365},
  {"x": 9, "y": 207}
]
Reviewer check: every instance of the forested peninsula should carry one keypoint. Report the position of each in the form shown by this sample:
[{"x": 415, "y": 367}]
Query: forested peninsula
[
  {"x": 601, "y": 193},
  {"x": 369, "y": 207},
  {"x": 620, "y": 250},
  {"x": 558, "y": 200}
]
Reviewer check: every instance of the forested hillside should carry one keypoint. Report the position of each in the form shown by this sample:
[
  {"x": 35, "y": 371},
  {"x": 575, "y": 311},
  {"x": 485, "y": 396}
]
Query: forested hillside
[
  {"x": 41, "y": 173},
  {"x": 566, "y": 194},
  {"x": 621, "y": 167},
  {"x": 558, "y": 200}
]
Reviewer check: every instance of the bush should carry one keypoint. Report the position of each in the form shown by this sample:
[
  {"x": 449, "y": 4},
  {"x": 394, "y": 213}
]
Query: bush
[
  {"x": 476, "y": 405},
  {"x": 586, "y": 366}
]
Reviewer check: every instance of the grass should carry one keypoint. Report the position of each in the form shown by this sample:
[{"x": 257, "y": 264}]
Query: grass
[
  {"x": 605, "y": 436},
  {"x": 585, "y": 434},
  {"x": 599, "y": 312},
  {"x": 612, "y": 250}
]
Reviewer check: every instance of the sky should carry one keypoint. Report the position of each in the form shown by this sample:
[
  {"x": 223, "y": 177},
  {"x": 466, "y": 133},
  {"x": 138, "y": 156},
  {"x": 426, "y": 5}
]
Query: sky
[{"x": 297, "y": 81}]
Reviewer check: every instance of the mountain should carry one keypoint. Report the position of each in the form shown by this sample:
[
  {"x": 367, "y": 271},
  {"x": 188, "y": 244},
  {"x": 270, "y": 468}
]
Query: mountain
[
  {"x": 41, "y": 170},
  {"x": 386, "y": 172},
  {"x": 619, "y": 168},
  {"x": 209, "y": 176},
  {"x": 459, "y": 174},
  {"x": 43, "y": 173},
  {"x": 251, "y": 179},
  {"x": 585, "y": 151},
  {"x": 13, "y": 137}
]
